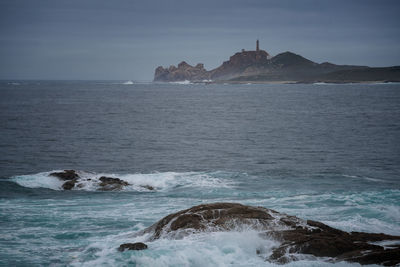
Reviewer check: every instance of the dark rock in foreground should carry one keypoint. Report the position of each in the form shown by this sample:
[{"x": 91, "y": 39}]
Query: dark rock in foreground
[
  {"x": 132, "y": 246},
  {"x": 296, "y": 236},
  {"x": 66, "y": 175}
]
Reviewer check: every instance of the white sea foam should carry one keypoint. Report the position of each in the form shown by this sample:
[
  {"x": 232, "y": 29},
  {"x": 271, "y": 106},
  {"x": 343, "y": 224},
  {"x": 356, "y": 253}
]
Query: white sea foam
[
  {"x": 322, "y": 83},
  {"x": 39, "y": 180},
  {"x": 128, "y": 83},
  {"x": 363, "y": 177},
  {"x": 162, "y": 181},
  {"x": 245, "y": 248},
  {"x": 14, "y": 83},
  {"x": 387, "y": 244},
  {"x": 182, "y": 82},
  {"x": 360, "y": 223}
]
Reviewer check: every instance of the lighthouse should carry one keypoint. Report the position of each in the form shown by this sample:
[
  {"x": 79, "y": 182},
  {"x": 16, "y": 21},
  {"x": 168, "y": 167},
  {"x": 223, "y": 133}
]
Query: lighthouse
[{"x": 257, "y": 46}]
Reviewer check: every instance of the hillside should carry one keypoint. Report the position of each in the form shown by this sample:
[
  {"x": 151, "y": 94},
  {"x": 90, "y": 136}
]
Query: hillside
[{"x": 259, "y": 66}]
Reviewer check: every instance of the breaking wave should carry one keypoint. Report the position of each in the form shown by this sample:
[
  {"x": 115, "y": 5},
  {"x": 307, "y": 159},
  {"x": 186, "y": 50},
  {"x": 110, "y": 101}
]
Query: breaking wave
[
  {"x": 163, "y": 181},
  {"x": 182, "y": 82},
  {"x": 128, "y": 83}
]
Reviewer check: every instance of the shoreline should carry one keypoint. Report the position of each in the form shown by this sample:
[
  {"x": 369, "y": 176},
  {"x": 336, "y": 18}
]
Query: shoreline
[{"x": 295, "y": 82}]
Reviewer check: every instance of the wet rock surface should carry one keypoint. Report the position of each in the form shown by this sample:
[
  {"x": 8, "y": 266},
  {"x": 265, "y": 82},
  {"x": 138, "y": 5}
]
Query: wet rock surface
[
  {"x": 69, "y": 184},
  {"x": 72, "y": 180},
  {"x": 132, "y": 246},
  {"x": 111, "y": 184},
  {"x": 65, "y": 175},
  {"x": 296, "y": 236}
]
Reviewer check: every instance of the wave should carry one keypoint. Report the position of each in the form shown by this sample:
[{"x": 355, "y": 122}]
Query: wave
[
  {"x": 128, "y": 83},
  {"x": 163, "y": 181},
  {"x": 182, "y": 82}
]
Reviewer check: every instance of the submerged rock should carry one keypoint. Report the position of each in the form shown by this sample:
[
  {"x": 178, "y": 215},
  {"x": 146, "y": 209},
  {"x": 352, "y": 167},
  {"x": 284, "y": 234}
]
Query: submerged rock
[
  {"x": 148, "y": 187},
  {"x": 65, "y": 175},
  {"x": 296, "y": 236},
  {"x": 110, "y": 183},
  {"x": 132, "y": 246}
]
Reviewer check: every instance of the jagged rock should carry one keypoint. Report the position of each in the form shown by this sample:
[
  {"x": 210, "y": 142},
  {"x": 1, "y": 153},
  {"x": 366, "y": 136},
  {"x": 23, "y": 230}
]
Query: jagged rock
[
  {"x": 296, "y": 236},
  {"x": 132, "y": 246},
  {"x": 65, "y": 175},
  {"x": 111, "y": 184},
  {"x": 215, "y": 217},
  {"x": 106, "y": 183},
  {"x": 69, "y": 184},
  {"x": 183, "y": 72}
]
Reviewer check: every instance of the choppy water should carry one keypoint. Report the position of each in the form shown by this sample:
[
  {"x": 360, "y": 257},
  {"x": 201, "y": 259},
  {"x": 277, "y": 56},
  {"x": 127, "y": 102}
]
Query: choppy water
[{"x": 323, "y": 152}]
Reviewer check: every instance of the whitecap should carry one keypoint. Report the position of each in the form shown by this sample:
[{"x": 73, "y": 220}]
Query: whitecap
[
  {"x": 182, "y": 82},
  {"x": 149, "y": 182},
  {"x": 128, "y": 83}
]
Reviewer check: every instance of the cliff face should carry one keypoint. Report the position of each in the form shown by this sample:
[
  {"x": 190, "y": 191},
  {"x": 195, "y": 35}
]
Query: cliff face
[
  {"x": 235, "y": 66},
  {"x": 240, "y": 64},
  {"x": 287, "y": 66}
]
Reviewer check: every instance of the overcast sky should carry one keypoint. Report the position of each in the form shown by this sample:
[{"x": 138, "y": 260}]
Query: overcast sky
[{"x": 127, "y": 39}]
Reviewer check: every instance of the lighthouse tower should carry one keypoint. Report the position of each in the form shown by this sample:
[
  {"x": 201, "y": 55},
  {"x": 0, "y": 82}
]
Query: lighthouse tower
[{"x": 257, "y": 46}]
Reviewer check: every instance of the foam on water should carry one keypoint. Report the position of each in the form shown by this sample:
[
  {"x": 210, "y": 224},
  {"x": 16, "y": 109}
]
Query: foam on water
[
  {"x": 85, "y": 229},
  {"x": 137, "y": 182},
  {"x": 235, "y": 248},
  {"x": 38, "y": 180},
  {"x": 128, "y": 83},
  {"x": 182, "y": 82}
]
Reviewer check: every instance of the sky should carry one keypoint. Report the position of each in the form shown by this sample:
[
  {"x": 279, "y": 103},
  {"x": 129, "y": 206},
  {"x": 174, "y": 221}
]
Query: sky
[{"x": 128, "y": 39}]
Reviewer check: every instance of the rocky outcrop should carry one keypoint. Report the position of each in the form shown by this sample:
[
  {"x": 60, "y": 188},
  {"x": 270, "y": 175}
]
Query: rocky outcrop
[
  {"x": 238, "y": 64},
  {"x": 132, "y": 246},
  {"x": 72, "y": 180},
  {"x": 295, "y": 236},
  {"x": 65, "y": 175},
  {"x": 183, "y": 72},
  {"x": 70, "y": 176},
  {"x": 69, "y": 184},
  {"x": 111, "y": 184}
]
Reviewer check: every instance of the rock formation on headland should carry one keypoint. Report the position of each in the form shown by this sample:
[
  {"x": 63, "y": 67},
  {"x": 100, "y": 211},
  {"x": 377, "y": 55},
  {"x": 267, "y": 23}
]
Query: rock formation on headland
[
  {"x": 183, "y": 72},
  {"x": 294, "y": 236},
  {"x": 259, "y": 66}
]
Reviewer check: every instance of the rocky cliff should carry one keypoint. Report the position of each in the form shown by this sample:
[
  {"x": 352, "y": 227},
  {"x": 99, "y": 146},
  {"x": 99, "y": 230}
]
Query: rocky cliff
[
  {"x": 260, "y": 66},
  {"x": 183, "y": 72},
  {"x": 245, "y": 62}
]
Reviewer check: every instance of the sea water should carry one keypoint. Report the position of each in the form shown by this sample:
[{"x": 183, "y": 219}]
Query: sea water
[{"x": 324, "y": 152}]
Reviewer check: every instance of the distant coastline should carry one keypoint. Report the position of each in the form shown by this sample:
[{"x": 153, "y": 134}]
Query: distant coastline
[{"x": 259, "y": 66}]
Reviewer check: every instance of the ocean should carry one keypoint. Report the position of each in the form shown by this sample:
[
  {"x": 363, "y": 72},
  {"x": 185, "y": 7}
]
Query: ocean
[{"x": 326, "y": 152}]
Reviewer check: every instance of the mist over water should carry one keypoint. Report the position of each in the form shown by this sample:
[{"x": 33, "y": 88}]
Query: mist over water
[{"x": 324, "y": 152}]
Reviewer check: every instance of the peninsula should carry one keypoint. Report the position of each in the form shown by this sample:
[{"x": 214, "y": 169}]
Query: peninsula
[{"x": 259, "y": 66}]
